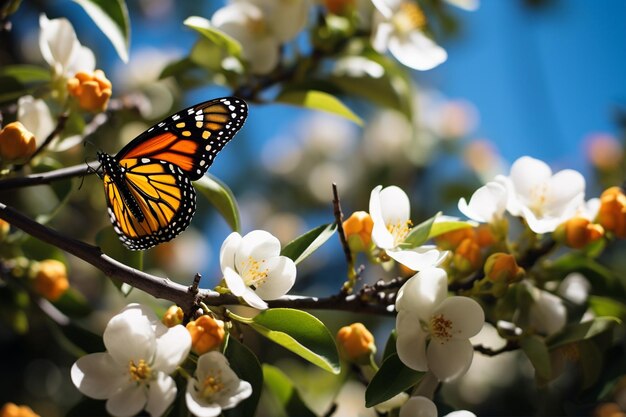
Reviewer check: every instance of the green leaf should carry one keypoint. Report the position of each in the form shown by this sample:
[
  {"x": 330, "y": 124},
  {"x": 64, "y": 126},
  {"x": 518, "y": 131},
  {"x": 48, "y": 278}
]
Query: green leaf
[
  {"x": 606, "y": 306},
  {"x": 538, "y": 354},
  {"x": 247, "y": 367},
  {"x": 420, "y": 233},
  {"x": 392, "y": 378},
  {"x": 281, "y": 387},
  {"x": 303, "y": 246},
  {"x": 301, "y": 333},
  {"x": 440, "y": 228},
  {"x": 111, "y": 16},
  {"x": 177, "y": 67},
  {"x": 26, "y": 74},
  {"x": 216, "y": 37},
  {"x": 582, "y": 331},
  {"x": 222, "y": 198},
  {"x": 317, "y": 100},
  {"x": 604, "y": 280},
  {"x": 390, "y": 346}
]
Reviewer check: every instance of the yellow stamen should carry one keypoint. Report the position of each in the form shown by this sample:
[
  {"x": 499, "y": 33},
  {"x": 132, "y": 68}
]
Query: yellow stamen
[
  {"x": 440, "y": 328},
  {"x": 139, "y": 372},
  {"x": 410, "y": 17},
  {"x": 254, "y": 275},
  {"x": 212, "y": 385},
  {"x": 399, "y": 231}
]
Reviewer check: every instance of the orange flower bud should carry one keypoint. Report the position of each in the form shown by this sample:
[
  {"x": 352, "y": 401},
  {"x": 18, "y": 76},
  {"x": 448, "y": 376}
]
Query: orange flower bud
[
  {"x": 91, "y": 90},
  {"x": 358, "y": 229},
  {"x": 206, "y": 334},
  {"x": 578, "y": 232},
  {"x": 51, "y": 279},
  {"x": 4, "y": 229},
  {"x": 14, "y": 410},
  {"x": 467, "y": 256},
  {"x": 356, "y": 343},
  {"x": 173, "y": 316},
  {"x": 502, "y": 267},
  {"x": 339, "y": 7},
  {"x": 485, "y": 236},
  {"x": 450, "y": 240},
  {"x": 16, "y": 143},
  {"x": 612, "y": 213}
]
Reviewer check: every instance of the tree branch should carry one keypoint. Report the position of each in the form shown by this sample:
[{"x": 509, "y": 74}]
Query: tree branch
[
  {"x": 184, "y": 296},
  {"x": 50, "y": 176}
]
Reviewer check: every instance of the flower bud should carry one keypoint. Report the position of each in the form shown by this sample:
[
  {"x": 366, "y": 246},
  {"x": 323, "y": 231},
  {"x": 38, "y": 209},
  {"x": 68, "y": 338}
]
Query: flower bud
[
  {"x": 91, "y": 90},
  {"x": 173, "y": 316},
  {"x": 51, "y": 279},
  {"x": 16, "y": 143},
  {"x": 358, "y": 230},
  {"x": 467, "y": 256},
  {"x": 578, "y": 232},
  {"x": 502, "y": 267},
  {"x": 356, "y": 343},
  {"x": 14, "y": 410},
  {"x": 485, "y": 236},
  {"x": 612, "y": 213},
  {"x": 451, "y": 240},
  {"x": 206, "y": 334},
  {"x": 4, "y": 229}
]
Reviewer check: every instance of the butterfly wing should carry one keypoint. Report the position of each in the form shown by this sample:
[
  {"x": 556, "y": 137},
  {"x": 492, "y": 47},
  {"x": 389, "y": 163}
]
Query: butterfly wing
[
  {"x": 164, "y": 196},
  {"x": 191, "y": 138}
]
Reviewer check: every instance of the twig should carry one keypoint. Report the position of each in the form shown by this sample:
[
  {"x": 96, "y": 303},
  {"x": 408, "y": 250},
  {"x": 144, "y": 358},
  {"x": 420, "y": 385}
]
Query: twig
[
  {"x": 61, "y": 121},
  {"x": 340, "y": 231},
  {"x": 510, "y": 345},
  {"x": 179, "y": 294},
  {"x": 50, "y": 176}
]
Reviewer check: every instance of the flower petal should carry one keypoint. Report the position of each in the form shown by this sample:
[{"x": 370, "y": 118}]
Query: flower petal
[
  {"x": 129, "y": 336},
  {"x": 281, "y": 276},
  {"x": 83, "y": 60},
  {"x": 380, "y": 235},
  {"x": 228, "y": 250},
  {"x": 527, "y": 174},
  {"x": 548, "y": 314},
  {"x": 387, "y": 7},
  {"x": 234, "y": 282},
  {"x": 171, "y": 349},
  {"x": 422, "y": 293},
  {"x": 35, "y": 115},
  {"x": 451, "y": 359},
  {"x": 417, "y": 51},
  {"x": 382, "y": 34},
  {"x": 98, "y": 376},
  {"x": 161, "y": 394},
  {"x": 57, "y": 41},
  {"x": 257, "y": 245},
  {"x": 411, "y": 341},
  {"x": 128, "y": 401},
  {"x": 418, "y": 407},
  {"x": 395, "y": 205},
  {"x": 466, "y": 316},
  {"x": 197, "y": 405},
  {"x": 418, "y": 258},
  {"x": 487, "y": 203}
]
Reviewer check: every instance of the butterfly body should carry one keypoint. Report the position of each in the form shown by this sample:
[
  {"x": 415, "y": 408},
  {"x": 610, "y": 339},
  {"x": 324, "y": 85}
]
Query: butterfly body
[{"x": 147, "y": 185}]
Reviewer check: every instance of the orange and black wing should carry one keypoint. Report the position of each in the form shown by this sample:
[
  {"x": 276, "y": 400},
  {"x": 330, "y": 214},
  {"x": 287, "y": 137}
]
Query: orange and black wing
[
  {"x": 164, "y": 200},
  {"x": 191, "y": 138}
]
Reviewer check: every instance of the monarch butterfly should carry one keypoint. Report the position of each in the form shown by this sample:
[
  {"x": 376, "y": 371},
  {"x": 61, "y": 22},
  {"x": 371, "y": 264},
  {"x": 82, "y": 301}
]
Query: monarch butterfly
[{"x": 147, "y": 184}]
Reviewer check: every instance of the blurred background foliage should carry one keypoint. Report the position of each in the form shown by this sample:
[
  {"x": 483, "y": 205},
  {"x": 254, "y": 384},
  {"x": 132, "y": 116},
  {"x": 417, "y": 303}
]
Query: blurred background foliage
[{"x": 541, "y": 77}]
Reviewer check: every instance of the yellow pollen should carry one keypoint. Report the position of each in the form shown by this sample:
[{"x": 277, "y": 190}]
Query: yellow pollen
[
  {"x": 440, "y": 328},
  {"x": 399, "y": 231},
  {"x": 410, "y": 17},
  {"x": 254, "y": 274},
  {"x": 139, "y": 372},
  {"x": 538, "y": 199},
  {"x": 212, "y": 385}
]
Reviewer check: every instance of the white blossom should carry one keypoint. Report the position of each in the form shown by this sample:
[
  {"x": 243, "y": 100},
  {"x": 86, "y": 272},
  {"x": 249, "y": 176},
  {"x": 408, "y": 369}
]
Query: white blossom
[
  {"x": 390, "y": 210},
  {"x": 433, "y": 329},
  {"x": 419, "y": 406},
  {"x": 397, "y": 28},
  {"x": 542, "y": 199},
  {"x": 61, "y": 49},
  {"x": 487, "y": 204},
  {"x": 215, "y": 387},
  {"x": 134, "y": 372},
  {"x": 547, "y": 314},
  {"x": 253, "y": 268}
]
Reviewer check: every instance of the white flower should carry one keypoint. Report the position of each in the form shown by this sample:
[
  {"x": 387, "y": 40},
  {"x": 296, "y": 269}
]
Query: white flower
[
  {"x": 133, "y": 374},
  {"x": 215, "y": 387},
  {"x": 261, "y": 26},
  {"x": 390, "y": 210},
  {"x": 542, "y": 199},
  {"x": 254, "y": 261},
  {"x": 487, "y": 204},
  {"x": 35, "y": 115},
  {"x": 423, "y": 407},
  {"x": 397, "y": 28},
  {"x": 575, "y": 288},
  {"x": 62, "y": 50},
  {"x": 433, "y": 329}
]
